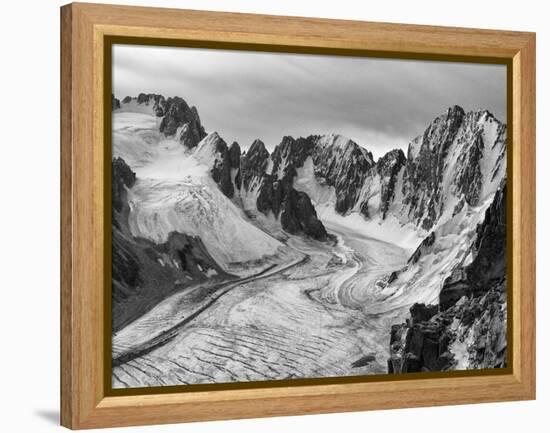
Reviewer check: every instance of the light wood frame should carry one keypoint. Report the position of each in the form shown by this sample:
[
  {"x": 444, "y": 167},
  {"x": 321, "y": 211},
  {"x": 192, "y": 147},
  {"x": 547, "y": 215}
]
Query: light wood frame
[{"x": 84, "y": 403}]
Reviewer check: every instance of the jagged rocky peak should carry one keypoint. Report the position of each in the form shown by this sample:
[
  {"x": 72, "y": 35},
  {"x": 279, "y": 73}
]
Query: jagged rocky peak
[
  {"x": 343, "y": 164},
  {"x": 336, "y": 144},
  {"x": 291, "y": 154},
  {"x": 337, "y": 161},
  {"x": 391, "y": 162},
  {"x": 257, "y": 150},
  {"x": 235, "y": 155},
  {"x": 388, "y": 168},
  {"x": 157, "y": 101},
  {"x": 151, "y": 102},
  {"x": 483, "y": 143},
  {"x": 179, "y": 115},
  {"x": 453, "y": 157},
  {"x": 437, "y": 138},
  {"x": 213, "y": 152},
  {"x": 426, "y": 164},
  {"x": 254, "y": 164},
  {"x": 272, "y": 176}
]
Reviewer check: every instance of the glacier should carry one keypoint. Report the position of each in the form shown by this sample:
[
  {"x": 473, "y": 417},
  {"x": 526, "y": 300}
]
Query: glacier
[{"x": 309, "y": 255}]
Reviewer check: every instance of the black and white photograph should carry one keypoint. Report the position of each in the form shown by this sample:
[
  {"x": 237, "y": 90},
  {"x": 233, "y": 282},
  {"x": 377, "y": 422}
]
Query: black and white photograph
[{"x": 280, "y": 216}]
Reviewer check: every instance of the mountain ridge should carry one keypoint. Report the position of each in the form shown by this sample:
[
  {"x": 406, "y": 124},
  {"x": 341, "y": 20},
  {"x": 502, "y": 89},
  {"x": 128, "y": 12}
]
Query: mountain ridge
[
  {"x": 441, "y": 169},
  {"x": 205, "y": 203}
]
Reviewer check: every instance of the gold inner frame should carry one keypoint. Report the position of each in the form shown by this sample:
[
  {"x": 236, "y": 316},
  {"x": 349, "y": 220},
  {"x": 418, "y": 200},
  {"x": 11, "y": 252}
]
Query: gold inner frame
[{"x": 108, "y": 40}]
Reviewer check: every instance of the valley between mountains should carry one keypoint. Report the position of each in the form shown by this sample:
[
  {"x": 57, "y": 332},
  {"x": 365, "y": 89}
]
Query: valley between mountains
[{"x": 312, "y": 260}]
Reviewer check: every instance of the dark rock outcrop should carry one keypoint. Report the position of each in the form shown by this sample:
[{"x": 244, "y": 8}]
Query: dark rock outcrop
[
  {"x": 115, "y": 103},
  {"x": 480, "y": 326},
  {"x": 234, "y": 155},
  {"x": 221, "y": 167},
  {"x": 254, "y": 163},
  {"x": 420, "y": 347},
  {"x": 423, "y": 312},
  {"x": 472, "y": 309},
  {"x": 299, "y": 216},
  {"x": 178, "y": 114},
  {"x": 276, "y": 192},
  {"x": 388, "y": 168},
  {"x": 144, "y": 273},
  {"x": 424, "y": 246},
  {"x": 489, "y": 263},
  {"x": 122, "y": 178},
  {"x": 297, "y": 213},
  {"x": 291, "y": 154}
]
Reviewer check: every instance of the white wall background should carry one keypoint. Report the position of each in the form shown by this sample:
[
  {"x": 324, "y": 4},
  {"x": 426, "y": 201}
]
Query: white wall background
[{"x": 29, "y": 217}]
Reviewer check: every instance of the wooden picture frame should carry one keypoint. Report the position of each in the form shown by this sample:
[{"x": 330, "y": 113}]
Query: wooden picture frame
[{"x": 85, "y": 28}]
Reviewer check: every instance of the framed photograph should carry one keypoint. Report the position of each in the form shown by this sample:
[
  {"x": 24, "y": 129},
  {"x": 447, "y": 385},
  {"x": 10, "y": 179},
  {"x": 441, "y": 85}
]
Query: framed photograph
[{"x": 266, "y": 215}]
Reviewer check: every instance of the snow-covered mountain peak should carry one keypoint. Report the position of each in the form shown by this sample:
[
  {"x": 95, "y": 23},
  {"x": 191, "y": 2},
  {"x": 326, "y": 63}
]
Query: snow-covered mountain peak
[
  {"x": 209, "y": 147},
  {"x": 177, "y": 117},
  {"x": 336, "y": 140},
  {"x": 146, "y": 103}
]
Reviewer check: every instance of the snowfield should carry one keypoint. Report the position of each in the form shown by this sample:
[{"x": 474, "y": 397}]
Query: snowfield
[
  {"x": 174, "y": 192},
  {"x": 312, "y": 319},
  {"x": 158, "y": 208}
]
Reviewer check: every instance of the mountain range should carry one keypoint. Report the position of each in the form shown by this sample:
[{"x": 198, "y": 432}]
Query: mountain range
[{"x": 234, "y": 211}]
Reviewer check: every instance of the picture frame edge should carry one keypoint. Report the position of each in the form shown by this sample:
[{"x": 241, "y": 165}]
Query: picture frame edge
[{"x": 83, "y": 404}]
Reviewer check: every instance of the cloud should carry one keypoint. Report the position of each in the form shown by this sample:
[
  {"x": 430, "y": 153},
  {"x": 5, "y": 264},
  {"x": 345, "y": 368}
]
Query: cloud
[{"x": 379, "y": 103}]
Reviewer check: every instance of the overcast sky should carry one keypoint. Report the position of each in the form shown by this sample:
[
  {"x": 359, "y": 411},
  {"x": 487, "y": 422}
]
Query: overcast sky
[{"x": 379, "y": 103}]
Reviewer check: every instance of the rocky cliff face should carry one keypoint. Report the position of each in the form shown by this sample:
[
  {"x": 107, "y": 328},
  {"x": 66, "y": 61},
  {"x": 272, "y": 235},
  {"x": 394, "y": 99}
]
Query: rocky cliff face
[
  {"x": 467, "y": 329},
  {"x": 423, "y": 178},
  {"x": 213, "y": 151},
  {"x": 253, "y": 165},
  {"x": 388, "y": 168},
  {"x": 446, "y": 163},
  {"x": 338, "y": 163},
  {"x": 344, "y": 165},
  {"x": 275, "y": 191},
  {"x": 177, "y": 114},
  {"x": 122, "y": 179},
  {"x": 489, "y": 264}
]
